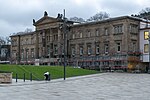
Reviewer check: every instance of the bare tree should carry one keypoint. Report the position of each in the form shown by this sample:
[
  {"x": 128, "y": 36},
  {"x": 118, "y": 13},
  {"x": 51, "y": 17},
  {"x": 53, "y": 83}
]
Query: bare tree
[
  {"x": 146, "y": 10},
  {"x": 77, "y": 19},
  {"x": 144, "y": 13},
  {"x": 99, "y": 16},
  {"x": 8, "y": 40},
  {"x": 28, "y": 30},
  {"x": 2, "y": 41}
]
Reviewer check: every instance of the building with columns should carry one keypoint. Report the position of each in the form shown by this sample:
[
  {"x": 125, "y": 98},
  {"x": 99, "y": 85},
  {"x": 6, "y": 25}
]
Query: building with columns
[{"x": 108, "y": 44}]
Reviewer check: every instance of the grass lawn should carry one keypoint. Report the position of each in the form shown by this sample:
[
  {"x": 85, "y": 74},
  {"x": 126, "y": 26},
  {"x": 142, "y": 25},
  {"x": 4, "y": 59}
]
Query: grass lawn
[{"x": 38, "y": 71}]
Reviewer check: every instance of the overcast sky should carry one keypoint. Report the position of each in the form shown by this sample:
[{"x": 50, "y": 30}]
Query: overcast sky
[{"x": 17, "y": 15}]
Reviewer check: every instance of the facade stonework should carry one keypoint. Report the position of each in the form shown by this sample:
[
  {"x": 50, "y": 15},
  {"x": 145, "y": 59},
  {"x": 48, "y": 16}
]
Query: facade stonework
[{"x": 111, "y": 43}]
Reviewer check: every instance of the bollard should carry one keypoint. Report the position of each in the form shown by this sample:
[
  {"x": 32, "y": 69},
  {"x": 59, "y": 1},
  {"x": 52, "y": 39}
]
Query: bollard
[
  {"x": 24, "y": 76},
  {"x": 30, "y": 76},
  {"x": 16, "y": 77}
]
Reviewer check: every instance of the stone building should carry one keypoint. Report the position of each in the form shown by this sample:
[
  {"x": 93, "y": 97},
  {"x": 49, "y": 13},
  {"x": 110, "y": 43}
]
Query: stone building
[
  {"x": 111, "y": 43},
  {"x": 23, "y": 47},
  {"x": 144, "y": 43}
]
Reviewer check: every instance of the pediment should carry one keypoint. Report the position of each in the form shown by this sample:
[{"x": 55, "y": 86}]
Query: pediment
[{"x": 45, "y": 20}]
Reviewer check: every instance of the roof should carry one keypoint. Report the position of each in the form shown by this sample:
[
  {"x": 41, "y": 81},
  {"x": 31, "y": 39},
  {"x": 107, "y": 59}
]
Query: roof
[
  {"x": 146, "y": 28},
  {"x": 44, "y": 18},
  {"x": 52, "y": 19},
  {"x": 49, "y": 19},
  {"x": 108, "y": 20},
  {"x": 22, "y": 33}
]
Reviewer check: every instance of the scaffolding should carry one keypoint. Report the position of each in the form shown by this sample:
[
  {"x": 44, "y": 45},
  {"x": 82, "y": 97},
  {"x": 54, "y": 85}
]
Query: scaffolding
[{"x": 114, "y": 61}]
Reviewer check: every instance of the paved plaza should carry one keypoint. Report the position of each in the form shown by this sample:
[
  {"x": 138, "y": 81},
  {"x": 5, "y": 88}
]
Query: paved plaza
[{"x": 105, "y": 86}]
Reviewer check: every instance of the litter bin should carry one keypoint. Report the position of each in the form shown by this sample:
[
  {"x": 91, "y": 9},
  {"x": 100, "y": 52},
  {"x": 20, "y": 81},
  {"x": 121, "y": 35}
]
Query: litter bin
[
  {"x": 5, "y": 77},
  {"x": 47, "y": 76}
]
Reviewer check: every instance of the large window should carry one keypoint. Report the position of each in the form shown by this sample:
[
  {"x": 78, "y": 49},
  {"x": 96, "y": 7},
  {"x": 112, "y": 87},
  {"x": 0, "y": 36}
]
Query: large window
[
  {"x": 14, "y": 54},
  {"x": 106, "y": 63},
  {"x": 134, "y": 46},
  {"x": 97, "y": 32},
  {"x": 118, "y": 47},
  {"x": 32, "y": 39},
  {"x": 118, "y": 29},
  {"x": 48, "y": 50},
  {"x": 88, "y": 34},
  {"x": 146, "y": 50},
  {"x": 55, "y": 50},
  {"x": 106, "y": 48},
  {"x": 73, "y": 36},
  {"x": 3, "y": 52},
  {"x": 106, "y": 31},
  {"x": 80, "y": 35},
  {"x": 14, "y": 42},
  {"x": 73, "y": 51},
  {"x": 27, "y": 53},
  {"x": 27, "y": 41},
  {"x": 89, "y": 50},
  {"x": 146, "y": 35},
  {"x": 32, "y": 52},
  {"x": 81, "y": 50},
  {"x": 117, "y": 63},
  {"x": 97, "y": 49},
  {"x": 133, "y": 28}
]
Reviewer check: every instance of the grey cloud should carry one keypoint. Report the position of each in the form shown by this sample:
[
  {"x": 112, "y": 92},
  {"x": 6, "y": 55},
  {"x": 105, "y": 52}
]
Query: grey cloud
[
  {"x": 120, "y": 7},
  {"x": 16, "y": 15}
]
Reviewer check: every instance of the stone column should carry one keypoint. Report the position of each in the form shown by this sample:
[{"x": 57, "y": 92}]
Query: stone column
[
  {"x": 51, "y": 41},
  {"x": 18, "y": 56},
  {"x": 59, "y": 44},
  {"x": 49, "y": 45},
  {"x": 43, "y": 43},
  {"x": 37, "y": 45}
]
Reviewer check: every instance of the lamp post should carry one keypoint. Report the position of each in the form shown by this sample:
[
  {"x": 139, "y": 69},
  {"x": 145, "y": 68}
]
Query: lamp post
[
  {"x": 49, "y": 55},
  {"x": 64, "y": 31}
]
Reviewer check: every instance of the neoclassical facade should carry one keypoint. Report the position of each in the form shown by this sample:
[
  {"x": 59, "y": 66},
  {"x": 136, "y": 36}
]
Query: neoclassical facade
[{"x": 111, "y": 43}]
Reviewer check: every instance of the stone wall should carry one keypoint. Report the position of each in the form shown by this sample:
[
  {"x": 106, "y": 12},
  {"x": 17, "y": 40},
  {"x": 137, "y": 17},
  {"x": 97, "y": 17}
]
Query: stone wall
[{"x": 5, "y": 77}]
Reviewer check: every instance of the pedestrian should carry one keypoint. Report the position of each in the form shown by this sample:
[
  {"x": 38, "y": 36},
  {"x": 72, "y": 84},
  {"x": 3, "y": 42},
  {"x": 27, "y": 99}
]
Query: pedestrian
[{"x": 47, "y": 76}]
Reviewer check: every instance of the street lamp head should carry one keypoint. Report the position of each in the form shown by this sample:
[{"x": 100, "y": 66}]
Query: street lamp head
[
  {"x": 68, "y": 28},
  {"x": 60, "y": 26}
]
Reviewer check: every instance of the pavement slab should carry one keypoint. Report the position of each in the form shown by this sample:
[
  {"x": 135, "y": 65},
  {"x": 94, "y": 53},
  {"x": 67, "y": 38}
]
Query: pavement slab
[{"x": 103, "y": 86}]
